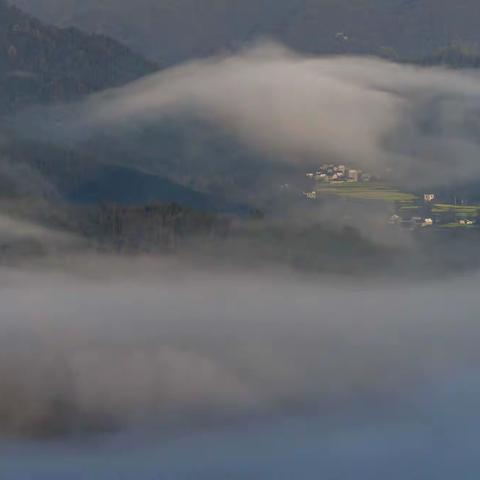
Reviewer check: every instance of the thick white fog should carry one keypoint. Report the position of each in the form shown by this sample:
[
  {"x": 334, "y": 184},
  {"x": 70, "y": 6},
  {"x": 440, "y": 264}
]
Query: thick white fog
[
  {"x": 325, "y": 374},
  {"x": 118, "y": 367},
  {"x": 421, "y": 122},
  {"x": 162, "y": 344}
]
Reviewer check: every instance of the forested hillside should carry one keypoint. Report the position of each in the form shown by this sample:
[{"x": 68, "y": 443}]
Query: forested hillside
[
  {"x": 150, "y": 189},
  {"x": 172, "y": 31},
  {"x": 45, "y": 64},
  {"x": 85, "y": 178},
  {"x": 40, "y": 63}
]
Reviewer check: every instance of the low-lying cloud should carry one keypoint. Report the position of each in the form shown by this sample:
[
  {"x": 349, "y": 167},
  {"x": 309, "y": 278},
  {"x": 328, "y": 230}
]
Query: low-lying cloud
[
  {"x": 158, "y": 344},
  {"x": 421, "y": 122}
]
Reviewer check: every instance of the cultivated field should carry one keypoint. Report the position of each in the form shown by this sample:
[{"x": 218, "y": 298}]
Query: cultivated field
[
  {"x": 471, "y": 210},
  {"x": 367, "y": 191},
  {"x": 406, "y": 204}
]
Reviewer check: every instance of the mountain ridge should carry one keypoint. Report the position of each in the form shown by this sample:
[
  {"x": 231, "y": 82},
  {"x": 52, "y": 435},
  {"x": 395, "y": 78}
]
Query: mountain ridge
[
  {"x": 172, "y": 32},
  {"x": 40, "y": 63}
]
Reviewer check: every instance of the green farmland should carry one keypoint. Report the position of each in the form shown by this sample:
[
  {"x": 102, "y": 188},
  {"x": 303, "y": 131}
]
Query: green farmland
[
  {"x": 467, "y": 210},
  {"x": 457, "y": 225},
  {"x": 407, "y": 205},
  {"x": 362, "y": 191}
]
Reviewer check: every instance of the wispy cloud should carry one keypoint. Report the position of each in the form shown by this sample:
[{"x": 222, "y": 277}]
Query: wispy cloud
[{"x": 421, "y": 122}]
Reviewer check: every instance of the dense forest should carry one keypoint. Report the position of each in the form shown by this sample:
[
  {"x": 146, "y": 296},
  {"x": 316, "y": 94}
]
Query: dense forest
[{"x": 40, "y": 63}]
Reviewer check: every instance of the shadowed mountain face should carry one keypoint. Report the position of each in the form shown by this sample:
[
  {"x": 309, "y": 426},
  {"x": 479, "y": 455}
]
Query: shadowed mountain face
[
  {"x": 41, "y": 169},
  {"x": 172, "y": 31},
  {"x": 40, "y": 63},
  {"x": 44, "y": 64}
]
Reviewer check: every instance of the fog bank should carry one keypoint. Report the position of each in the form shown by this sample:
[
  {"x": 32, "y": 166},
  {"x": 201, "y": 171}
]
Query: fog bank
[
  {"x": 422, "y": 123},
  {"x": 169, "y": 347}
]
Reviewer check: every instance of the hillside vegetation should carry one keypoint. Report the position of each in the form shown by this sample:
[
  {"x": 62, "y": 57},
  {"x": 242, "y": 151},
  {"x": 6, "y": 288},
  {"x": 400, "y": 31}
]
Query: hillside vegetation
[
  {"x": 172, "y": 31},
  {"x": 40, "y": 63},
  {"x": 45, "y": 64}
]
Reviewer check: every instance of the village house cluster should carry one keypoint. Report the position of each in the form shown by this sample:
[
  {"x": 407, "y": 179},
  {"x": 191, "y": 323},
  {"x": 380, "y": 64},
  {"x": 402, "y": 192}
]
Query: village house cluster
[
  {"x": 411, "y": 222},
  {"x": 428, "y": 214},
  {"x": 447, "y": 218},
  {"x": 339, "y": 173},
  {"x": 415, "y": 211}
]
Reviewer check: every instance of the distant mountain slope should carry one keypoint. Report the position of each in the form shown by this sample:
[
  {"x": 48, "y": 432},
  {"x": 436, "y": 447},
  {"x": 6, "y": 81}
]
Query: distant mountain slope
[
  {"x": 126, "y": 186},
  {"x": 40, "y": 63},
  {"x": 39, "y": 170},
  {"x": 172, "y": 31}
]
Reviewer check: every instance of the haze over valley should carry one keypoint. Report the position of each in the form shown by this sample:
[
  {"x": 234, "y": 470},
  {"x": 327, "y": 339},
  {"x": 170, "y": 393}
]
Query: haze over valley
[{"x": 239, "y": 239}]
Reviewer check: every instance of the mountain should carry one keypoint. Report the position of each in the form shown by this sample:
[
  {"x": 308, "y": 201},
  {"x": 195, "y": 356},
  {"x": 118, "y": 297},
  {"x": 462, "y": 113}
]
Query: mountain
[
  {"x": 32, "y": 169},
  {"x": 43, "y": 64},
  {"x": 171, "y": 31},
  {"x": 40, "y": 63}
]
